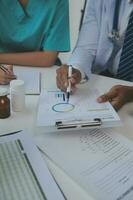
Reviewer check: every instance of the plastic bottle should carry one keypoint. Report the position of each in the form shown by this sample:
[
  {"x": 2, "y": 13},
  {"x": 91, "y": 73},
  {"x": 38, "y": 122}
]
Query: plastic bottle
[
  {"x": 17, "y": 94},
  {"x": 4, "y": 104}
]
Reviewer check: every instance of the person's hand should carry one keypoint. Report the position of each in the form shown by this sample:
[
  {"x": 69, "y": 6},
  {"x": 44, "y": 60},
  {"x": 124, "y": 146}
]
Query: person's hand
[
  {"x": 6, "y": 77},
  {"x": 62, "y": 77},
  {"x": 117, "y": 96}
]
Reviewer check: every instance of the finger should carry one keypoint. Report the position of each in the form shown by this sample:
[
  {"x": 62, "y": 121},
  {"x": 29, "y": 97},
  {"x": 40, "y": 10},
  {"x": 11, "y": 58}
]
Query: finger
[
  {"x": 109, "y": 96},
  {"x": 62, "y": 77},
  {"x": 102, "y": 98},
  {"x": 60, "y": 84},
  {"x": 9, "y": 76},
  {"x": 7, "y": 80},
  {"x": 73, "y": 82},
  {"x": 9, "y": 69},
  {"x": 117, "y": 105},
  {"x": 76, "y": 77}
]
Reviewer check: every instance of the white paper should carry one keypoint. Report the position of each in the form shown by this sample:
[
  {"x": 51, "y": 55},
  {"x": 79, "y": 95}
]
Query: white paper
[
  {"x": 30, "y": 77},
  {"x": 53, "y": 107},
  {"x": 101, "y": 161},
  {"x": 23, "y": 173}
]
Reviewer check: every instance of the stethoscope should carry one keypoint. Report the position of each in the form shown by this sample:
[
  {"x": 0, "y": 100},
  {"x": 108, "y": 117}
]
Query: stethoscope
[{"x": 114, "y": 35}]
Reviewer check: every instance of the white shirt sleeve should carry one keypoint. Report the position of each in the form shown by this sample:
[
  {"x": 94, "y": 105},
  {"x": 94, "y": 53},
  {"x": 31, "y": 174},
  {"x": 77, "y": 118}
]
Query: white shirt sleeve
[{"x": 84, "y": 53}]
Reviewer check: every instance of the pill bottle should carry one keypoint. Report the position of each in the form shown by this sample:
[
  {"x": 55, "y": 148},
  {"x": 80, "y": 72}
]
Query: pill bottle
[
  {"x": 17, "y": 95},
  {"x": 4, "y": 104}
]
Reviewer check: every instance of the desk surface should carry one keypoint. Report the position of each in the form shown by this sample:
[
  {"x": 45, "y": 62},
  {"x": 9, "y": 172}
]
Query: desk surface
[{"x": 27, "y": 119}]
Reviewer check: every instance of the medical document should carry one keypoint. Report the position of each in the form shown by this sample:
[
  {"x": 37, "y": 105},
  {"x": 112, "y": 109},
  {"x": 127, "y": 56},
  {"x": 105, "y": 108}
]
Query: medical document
[
  {"x": 82, "y": 106},
  {"x": 100, "y": 160},
  {"x": 23, "y": 173}
]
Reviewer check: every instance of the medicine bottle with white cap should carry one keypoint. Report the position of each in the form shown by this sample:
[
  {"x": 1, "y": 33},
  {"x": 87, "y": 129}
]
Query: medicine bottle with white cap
[
  {"x": 17, "y": 95},
  {"x": 4, "y": 104}
]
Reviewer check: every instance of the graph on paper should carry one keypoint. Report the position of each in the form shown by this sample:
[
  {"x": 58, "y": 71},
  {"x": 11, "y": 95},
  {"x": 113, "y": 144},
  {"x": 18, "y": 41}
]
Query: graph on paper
[
  {"x": 53, "y": 107},
  {"x": 61, "y": 105}
]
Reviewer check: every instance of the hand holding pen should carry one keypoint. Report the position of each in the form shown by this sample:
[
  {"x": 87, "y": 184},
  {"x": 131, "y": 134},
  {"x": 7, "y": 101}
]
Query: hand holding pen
[
  {"x": 62, "y": 80},
  {"x": 6, "y": 74}
]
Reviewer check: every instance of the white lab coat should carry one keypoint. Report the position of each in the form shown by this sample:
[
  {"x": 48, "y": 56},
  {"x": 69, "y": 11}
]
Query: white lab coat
[{"x": 94, "y": 48}]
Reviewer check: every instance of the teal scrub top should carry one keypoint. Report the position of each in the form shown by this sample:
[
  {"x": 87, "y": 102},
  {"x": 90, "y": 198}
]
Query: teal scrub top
[{"x": 42, "y": 26}]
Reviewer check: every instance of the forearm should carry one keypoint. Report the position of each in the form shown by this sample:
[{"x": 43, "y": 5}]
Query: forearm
[{"x": 40, "y": 59}]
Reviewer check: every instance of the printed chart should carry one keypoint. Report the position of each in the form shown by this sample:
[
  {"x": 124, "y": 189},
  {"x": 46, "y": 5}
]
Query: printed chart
[
  {"x": 54, "y": 108},
  {"x": 63, "y": 106}
]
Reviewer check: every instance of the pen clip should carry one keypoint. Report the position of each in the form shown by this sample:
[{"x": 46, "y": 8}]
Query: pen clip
[{"x": 78, "y": 124}]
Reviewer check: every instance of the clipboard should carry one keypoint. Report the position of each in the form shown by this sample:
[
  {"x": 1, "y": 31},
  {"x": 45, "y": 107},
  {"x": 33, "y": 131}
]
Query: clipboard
[
  {"x": 79, "y": 124},
  {"x": 82, "y": 112}
]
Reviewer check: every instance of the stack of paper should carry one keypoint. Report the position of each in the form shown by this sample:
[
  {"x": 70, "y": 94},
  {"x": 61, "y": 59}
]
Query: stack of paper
[{"x": 101, "y": 161}]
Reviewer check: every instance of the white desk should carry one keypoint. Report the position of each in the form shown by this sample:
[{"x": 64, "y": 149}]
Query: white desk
[{"x": 27, "y": 119}]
